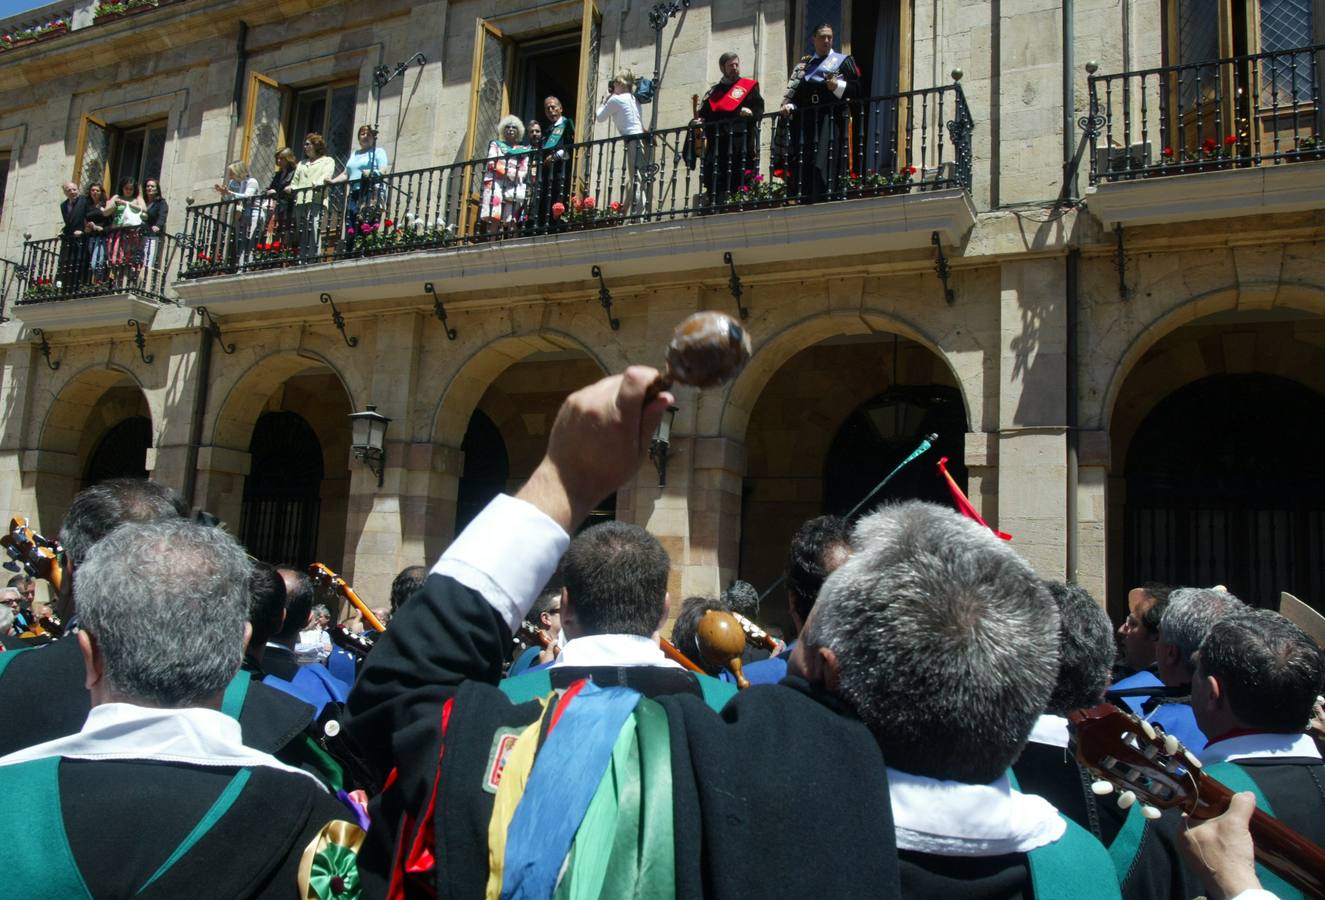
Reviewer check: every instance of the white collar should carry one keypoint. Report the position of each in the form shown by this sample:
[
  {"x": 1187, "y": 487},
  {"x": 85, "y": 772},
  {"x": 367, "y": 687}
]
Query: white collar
[
  {"x": 193, "y": 736},
  {"x": 1050, "y": 731},
  {"x": 1260, "y": 746},
  {"x": 613, "y": 650},
  {"x": 950, "y": 818}
]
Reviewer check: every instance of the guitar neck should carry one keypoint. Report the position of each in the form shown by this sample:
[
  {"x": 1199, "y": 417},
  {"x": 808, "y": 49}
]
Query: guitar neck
[{"x": 1278, "y": 847}]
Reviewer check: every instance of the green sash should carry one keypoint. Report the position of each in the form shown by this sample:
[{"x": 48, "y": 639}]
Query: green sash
[
  {"x": 553, "y": 139},
  {"x": 1238, "y": 779},
  {"x": 532, "y": 685},
  {"x": 1074, "y": 867},
  {"x": 232, "y": 701},
  {"x": 39, "y": 853},
  {"x": 9, "y": 655}
]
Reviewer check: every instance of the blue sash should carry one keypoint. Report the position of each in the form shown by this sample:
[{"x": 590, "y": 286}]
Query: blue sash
[{"x": 825, "y": 67}]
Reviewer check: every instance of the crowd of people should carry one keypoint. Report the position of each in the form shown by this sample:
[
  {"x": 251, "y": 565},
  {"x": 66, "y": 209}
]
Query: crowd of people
[
  {"x": 912, "y": 741},
  {"x": 108, "y": 241}
]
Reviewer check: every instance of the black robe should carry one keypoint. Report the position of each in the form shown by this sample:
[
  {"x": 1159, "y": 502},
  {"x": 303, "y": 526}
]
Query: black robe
[
  {"x": 123, "y": 818},
  {"x": 731, "y": 141},
  {"x": 782, "y": 795},
  {"x": 815, "y": 149},
  {"x": 43, "y": 698}
]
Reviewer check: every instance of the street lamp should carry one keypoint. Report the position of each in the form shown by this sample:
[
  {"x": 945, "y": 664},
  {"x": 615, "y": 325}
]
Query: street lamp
[
  {"x": 368, "y": 439},
  {"x": 660, "y": 446}
]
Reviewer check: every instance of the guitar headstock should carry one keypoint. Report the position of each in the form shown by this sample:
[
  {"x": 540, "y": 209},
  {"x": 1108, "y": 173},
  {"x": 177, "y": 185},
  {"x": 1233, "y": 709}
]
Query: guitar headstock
[
  {"x": 35, "y": 555},
  {"x": 1139, "y": 760},
  {"x": 323, "y": 578}
]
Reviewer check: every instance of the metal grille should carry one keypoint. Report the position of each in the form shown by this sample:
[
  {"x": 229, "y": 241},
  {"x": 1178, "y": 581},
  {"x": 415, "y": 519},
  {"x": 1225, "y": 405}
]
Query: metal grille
[
  {"x": 122, "y": 452},
  {"x": 96, "y": 151},
  {"x": 266, "y": 136},
  {"x": 491, "y": 77},
  {"x": 1286, "y": 25},
  {"x": 279, "y": 521}
]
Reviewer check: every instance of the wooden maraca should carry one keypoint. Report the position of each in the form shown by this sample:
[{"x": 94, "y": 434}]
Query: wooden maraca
[
  {"x": 707, "y": 349},
  {"x": 721, "y": 642}
]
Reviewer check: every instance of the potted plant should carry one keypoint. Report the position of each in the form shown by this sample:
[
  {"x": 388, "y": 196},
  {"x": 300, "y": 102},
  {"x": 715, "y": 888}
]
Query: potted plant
[{"x": 118, "y": 9}]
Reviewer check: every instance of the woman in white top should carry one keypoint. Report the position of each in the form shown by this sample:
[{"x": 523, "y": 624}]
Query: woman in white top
[
  {"x": 126, "y": 210},
  {"x": 623, "y": 109},
  {"x": 242, "y": 189},
  {"x": 308, "y": 188}
]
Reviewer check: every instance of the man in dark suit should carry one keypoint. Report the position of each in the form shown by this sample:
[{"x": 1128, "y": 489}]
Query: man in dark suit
[
  {"x": 816, "y": 157},
  {"x": 73, "y": 243}
]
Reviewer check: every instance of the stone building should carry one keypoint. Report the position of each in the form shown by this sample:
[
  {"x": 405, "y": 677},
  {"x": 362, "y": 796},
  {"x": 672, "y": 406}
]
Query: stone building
[{"x": 1079, "y": 241}]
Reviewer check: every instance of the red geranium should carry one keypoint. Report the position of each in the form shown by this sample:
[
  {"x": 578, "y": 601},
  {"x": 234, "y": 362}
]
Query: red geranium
[
  {"x": 615, "y": 205},
  {"x": 576, "y": 203},
  {"x": 276, "y": 245},
  {"x": 558, "y": 210},
  {"x": 1230, "y": 140},
  {"x": 390, "y": 223},
  {"x": 1209, "y": 144},
  {"x": 1167, "y": 152},
  {"x": 910, "y": 170},
  {"x": 589, "y": 203}
]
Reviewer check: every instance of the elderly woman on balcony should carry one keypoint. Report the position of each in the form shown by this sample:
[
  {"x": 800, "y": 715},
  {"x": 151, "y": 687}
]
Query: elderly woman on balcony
[
  {"x": 308, "y": 188},
  {"x": 505, "y": 177}
]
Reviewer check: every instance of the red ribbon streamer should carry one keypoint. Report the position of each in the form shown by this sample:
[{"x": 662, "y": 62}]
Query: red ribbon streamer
[{"x": 963, "y": 504}]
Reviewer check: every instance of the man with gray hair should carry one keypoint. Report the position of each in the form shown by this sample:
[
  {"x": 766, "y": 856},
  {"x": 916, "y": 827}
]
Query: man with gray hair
[
  {"x": 164, "y": 609},
  {"x": 946, "y": 645},
  {"x": 1189, "y": 617}
]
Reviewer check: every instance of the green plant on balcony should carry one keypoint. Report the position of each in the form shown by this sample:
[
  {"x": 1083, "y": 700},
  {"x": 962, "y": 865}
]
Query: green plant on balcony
[
  {"x": 759, "y": 190},
  {"x": 122, "y": 7},
  {"x": 1211, "y": 154},
  {"x": 41, "y": 289},
  {"x": 272, "y": 252},
  {"x": 390, "y": 236},
  {"x": 203, "y": 264},
  {"x": 12, "y": 39},
  {"x": 874, "y": 182}
]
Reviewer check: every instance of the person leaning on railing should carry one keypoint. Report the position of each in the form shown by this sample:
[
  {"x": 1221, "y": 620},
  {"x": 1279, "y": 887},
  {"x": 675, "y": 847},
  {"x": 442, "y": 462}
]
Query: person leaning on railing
[
  {"x": 154, "y": 221},
  {"x": 242, "y": 188},
  {"x": 308, "y": 188},
  {"x": 94, "y": 227},
  {"x": 72, "y": 266},
  {"x": 816, "y": 154},
  {"x": 279, "y": 206},
  {"x": 363, "y": 201}
]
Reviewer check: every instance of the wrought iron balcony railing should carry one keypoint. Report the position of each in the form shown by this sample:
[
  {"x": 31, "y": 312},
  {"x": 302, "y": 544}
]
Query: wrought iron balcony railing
[
  {"x": 1259, "y": 109},
  {"x": 122, "y": 261},
  {"x": 916, "y": 141}
]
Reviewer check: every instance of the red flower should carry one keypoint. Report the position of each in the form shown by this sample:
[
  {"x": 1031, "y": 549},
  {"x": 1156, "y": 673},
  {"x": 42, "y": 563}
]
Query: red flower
[
  {"x": 910, "y": 170},
  {"x": 390, "y": 223},
  {"x": 745, "y": 189},
  {"x": 1167, "y": 152},
  {"x": 589, "y": 203},
  {"x": 1230, "y": 140},
  {"x": 558, "y": 210},
  {"x": 275, "y": 245},
  {"x": 1208, "y": 145},
  {"x": 576, "y": 203},
  {"x": 779, "y": 173},
  {"x": 749, "y": 171},
  {"x": 365, "y": 228},
  {"x": 615, "y": 205},
  {"x": 262, "y": 248}
]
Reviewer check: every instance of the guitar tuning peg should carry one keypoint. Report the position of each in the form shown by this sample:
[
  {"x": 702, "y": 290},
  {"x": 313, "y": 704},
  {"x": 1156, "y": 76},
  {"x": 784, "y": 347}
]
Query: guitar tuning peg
[
  {"x": 1148, "y": 729},
  {"x": 1149, "y": 812},
  {"x": 1101, "y": 788},
  {"x": 1191, "y": 760},
  {"x": 1126, "y": 799},
  {"x": 1171, "y": 744}
]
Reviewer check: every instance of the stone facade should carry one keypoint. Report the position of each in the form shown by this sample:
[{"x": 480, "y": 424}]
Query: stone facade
[{"x": 1221, "y": 271}]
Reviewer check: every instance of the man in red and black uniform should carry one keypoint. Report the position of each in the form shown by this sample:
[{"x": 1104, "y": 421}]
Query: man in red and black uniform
[{"x": 729, "y": 114}]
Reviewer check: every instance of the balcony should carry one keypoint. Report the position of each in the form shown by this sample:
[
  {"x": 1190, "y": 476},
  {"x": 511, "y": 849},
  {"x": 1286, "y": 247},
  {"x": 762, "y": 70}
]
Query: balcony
[
  {"x": 66, "y": 284},
  {"x": 891, "y": 172},
  {"x": 1232, "y": 137}
]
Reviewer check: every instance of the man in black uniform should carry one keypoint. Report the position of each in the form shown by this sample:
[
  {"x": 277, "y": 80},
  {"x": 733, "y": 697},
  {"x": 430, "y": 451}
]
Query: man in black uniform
[
  {"x": 552, "y": 168},
  {"x": 729, "y": 115},
  {"x": 164, "y": 611},
  {"x": 272, "y": 721},
  {"x": 73, "y": 243},
  {"x": 816, "y": 155}
]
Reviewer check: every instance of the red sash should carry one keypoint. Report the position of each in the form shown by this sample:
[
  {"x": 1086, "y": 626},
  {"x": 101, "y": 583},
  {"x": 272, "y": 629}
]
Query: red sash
[{"x": 731, "y": 101}]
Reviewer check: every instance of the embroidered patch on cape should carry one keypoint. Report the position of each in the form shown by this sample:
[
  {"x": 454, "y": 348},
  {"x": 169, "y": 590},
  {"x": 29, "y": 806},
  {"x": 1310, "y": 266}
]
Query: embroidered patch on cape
[
  {"x": 737, "y": 92},
  {"x": 502, "y": 742}
]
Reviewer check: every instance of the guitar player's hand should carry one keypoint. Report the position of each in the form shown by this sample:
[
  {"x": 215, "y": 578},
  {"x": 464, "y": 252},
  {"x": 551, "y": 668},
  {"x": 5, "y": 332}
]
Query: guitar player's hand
[{"x": 1219, "y": 850}]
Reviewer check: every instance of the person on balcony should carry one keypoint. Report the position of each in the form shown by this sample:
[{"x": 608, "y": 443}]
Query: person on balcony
[
  {"x": 365, "y": 192},
  {"x": 505, "y": 177},
  {"x": 94, "y": 229},
  {"x": 279, "y": 205},
  {"x": 554, "y": 179},
  {"x": 816, "y": 153},
  {"x": 126, "y": 237},
  {"x": 154, "y": 222},
  {"x": 73, "y": 242},
  {"x": 622, "y": 107},
  {"x": 241, "y": 189},
  {"x": 729, "y": 115},
  {"x": 309, "y": 192}
]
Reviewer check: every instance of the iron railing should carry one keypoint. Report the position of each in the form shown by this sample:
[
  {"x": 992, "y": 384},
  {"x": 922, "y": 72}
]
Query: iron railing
[
  {"x": 12, "y": 278},
  {"x": 122, "y": 261},
  {"x": 1258, "y": 109},
  {"x": 916, "y": 141}
]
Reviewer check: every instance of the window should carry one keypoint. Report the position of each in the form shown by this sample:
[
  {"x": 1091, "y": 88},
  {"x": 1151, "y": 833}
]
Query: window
[
  {"x": 109, "y": 153},
  {"x": 876, "y": 34},
  {"x": 279, "y": 116}
]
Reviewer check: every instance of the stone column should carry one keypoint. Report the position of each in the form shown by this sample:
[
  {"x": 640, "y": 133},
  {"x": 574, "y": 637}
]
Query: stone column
[
  {"x": 981, "y": 453},
  {"x": 1032, "y": 442},
  {"x": 1093, "y": 513},
  {"x": 220, "y": 485}
]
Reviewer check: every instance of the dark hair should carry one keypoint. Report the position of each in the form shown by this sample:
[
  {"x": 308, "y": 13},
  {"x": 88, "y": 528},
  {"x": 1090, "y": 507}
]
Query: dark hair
[
  {"x": 99, "y": 186},
  {"x": 727, "y": 57},
  {"x": 1270, "y": 670},
  {"x": 100, "y": 509},
  {"x": 821, "y": 26},
  {"x": 149, "y": 181},
  {"x": 130, "y": 184},
  {"x": 298, "y": 604},
  {"x": 742, "y": 598},
  {"x": 542, "y": 605},
  {"x": 266, "y": 602},
  {"x": 1160, "y": 592},
  {"x": 807, "y": 563},
  {"x": 405, "y": 584},
  {"x": 1085, "y": 652},
  {"x": 616, "y": 576},
  {"x": 685, "y": 630},
  {"x": 19, "y": 580}
]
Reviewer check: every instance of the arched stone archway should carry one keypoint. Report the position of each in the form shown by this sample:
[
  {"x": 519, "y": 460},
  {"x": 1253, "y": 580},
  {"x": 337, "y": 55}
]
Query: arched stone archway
[{"x": 87, "y": 405}]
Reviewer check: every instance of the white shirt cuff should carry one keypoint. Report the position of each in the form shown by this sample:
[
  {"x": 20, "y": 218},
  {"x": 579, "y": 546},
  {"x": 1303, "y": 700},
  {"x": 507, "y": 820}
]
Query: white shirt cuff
[
  {"x": 1256, "y": 894},
  {"x": 840, "y": 89},
  {"x": 507, "y": 554}
]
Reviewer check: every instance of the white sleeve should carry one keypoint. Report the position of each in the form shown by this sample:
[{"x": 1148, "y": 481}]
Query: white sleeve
[
  {"x": 507, "y": 554},
  {"x": 601, "y": 115},
  {"x": 1256, "y": 894},
  {"x": 841, "y": 87}
]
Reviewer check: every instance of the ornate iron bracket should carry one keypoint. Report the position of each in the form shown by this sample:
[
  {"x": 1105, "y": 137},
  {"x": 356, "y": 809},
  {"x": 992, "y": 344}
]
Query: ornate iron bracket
[
  {"x": 605, "y": 299},
  {"x": 1120, "y": 262},
  {"x": 942, "y": 269},
  {"x": 734, "y": 285},
  {"x": 661, "y": 12},
  {"x": 45, "y": 348},
  {"x": 439, "y": 310},
  {"x": 338, "y": 320},
  {"x": 141, "y": 342},
  {"x": 214, "y": 329}
]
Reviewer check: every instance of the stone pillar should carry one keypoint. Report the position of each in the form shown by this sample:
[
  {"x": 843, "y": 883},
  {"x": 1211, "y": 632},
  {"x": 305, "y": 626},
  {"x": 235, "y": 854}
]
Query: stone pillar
[
  {"x": 168, "y": 459},
  {"x": 1116, "y": 498},
  {"x": 53, "y": 478},
  {"x": 1093, "y": 513},
  {"x": 1032, "y": 441},
  {"x": 981, "y": 456},
  {"x": 220, "y": 486}
]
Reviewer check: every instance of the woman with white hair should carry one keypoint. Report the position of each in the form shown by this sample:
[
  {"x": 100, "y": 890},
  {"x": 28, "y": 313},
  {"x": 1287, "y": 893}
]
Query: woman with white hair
[{"x": 505, "y": 177}]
